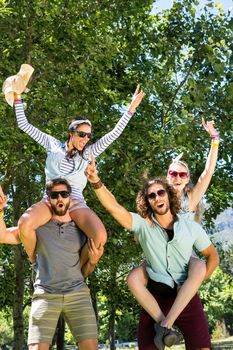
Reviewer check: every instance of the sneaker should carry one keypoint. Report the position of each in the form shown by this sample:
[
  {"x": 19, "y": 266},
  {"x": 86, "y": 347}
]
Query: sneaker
[{"x": 165, "y": 336}]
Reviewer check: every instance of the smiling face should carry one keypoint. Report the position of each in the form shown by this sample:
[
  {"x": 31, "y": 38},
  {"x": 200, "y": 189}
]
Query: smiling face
[
  {"x": 158, "y": 199},
  {"x": 80, "y": 137},
  {"x": 178, "y": 176},
  {"x": 59, "y": 199}
]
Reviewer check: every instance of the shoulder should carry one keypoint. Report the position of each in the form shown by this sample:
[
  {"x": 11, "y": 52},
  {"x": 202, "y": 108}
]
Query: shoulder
[
  {"x": 139, "y": 224},
  {"x": 189, "y": 223}
]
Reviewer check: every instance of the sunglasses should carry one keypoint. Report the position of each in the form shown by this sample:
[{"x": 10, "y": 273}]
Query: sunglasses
[
  {"x": 160, "y": 193},
  {"x": 82, "y": 134},
  {"x": 63, "y": 194},
  {"x": 182, "y": 174}
]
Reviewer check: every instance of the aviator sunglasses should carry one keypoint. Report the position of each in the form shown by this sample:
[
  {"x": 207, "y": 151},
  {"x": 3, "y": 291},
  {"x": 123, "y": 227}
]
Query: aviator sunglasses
[
  {"x": 63, "y": 194},
  {"x": 160, "y": 193},
  {"x": 82, "y": 134},
  {"x": 182, "y": 174}
]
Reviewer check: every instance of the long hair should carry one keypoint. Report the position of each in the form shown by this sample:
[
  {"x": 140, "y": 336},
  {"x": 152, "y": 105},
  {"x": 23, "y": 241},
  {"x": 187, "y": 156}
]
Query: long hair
[
  {"x": 143, "y": 206},
  {"x": 200, "y": 208},
  {"x": 70, "y": 154}
]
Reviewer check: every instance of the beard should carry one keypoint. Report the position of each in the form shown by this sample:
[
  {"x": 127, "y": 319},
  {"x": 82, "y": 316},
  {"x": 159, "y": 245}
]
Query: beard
[
  {"x": 60, "y": 212},
  {"x": 162, "y": 211}
]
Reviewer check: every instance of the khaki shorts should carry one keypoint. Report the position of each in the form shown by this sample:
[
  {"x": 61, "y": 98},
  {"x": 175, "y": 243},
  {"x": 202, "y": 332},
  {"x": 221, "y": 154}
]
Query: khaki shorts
[
  {"x": 76, "y": 308},
  {"x": 75, "y": 204}
]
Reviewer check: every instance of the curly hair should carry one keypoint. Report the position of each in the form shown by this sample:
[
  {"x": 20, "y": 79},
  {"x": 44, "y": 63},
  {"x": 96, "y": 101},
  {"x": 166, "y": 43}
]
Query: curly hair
[{"x": 143, "y": 206}]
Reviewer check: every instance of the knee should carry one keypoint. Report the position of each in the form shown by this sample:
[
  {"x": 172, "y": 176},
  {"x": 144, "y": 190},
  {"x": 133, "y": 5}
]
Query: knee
[
  {"x": 101, "y": 237},
  {"x": 25, "y": 224},
  {"x": 202, "y": 269},
  {"x": 197, "y": 269},
  {"x": 132, "y": 280}
]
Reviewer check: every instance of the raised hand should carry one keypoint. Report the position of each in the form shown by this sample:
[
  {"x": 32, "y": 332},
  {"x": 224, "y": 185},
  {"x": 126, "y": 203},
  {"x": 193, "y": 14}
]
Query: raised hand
[
  {"x": 91, "y": 172},
  {"x": 136, "y": 100},
  {"x": 209, "y": 127}
]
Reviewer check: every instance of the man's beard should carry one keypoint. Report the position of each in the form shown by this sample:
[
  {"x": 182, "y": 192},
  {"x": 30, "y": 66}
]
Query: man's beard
[
  {"x": 161, "y": 211},
  {"x": 59, "y": 212}
]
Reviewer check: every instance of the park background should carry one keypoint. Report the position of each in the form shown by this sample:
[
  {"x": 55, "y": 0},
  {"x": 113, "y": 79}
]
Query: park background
[{"x": 88, "y": 57}]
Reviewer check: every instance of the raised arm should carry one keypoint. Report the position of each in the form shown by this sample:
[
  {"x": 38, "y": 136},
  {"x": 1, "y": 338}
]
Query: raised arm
[
  {"x": 107, "y": 199},
  {"x": 10, "y": 235},
  {"x": 98, "y": 147},
  {"x": 42, "y": 138},
  {"x": 204, "y": 180}
]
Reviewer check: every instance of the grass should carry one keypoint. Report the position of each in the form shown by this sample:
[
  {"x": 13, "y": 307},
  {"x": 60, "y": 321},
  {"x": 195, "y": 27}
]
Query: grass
[{"x": 223, "y": 344}]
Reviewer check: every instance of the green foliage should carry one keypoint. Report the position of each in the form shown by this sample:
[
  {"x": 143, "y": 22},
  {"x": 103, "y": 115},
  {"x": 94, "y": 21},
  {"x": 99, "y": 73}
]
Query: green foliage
[
  {"x": 217, "y": 297},
  {"x": 6, "y": 328}
]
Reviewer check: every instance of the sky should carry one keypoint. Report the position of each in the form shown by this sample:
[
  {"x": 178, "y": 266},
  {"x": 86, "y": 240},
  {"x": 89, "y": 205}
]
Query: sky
[{"x": 165, "y": 4}]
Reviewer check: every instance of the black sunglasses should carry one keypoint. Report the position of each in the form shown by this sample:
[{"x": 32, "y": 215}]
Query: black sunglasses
[
  {"x": 83, "y": 134},
  {"x": 160, "y": 193},
  {"x": 63, "y": 194}
]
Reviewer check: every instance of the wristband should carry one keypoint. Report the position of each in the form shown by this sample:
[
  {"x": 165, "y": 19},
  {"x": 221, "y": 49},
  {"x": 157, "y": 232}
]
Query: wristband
[
  {"x": 131, "y": 113},
  {"x": 1, "y": 212},
  {"x": 216, "y": 142},
  {"x": 17, "y": 101},
  {"x": 215, "y": 136},
  {"x": 96, "y": 185}
]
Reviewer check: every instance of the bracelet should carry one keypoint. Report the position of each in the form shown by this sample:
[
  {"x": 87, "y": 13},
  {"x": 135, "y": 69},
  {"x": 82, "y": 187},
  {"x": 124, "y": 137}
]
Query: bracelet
[
  {"x": 1, "y": 212},
  {"x": 18, "y": 101},
  {"x": 96, "y": 185},
  {"x": 131, "y": 113},
  {"x": 216, "y": 142},
  {"x": 215, "y": 136}
]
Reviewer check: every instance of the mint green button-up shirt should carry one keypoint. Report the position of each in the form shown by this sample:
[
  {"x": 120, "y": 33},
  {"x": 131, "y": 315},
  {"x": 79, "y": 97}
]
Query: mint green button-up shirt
[{"x": 168, "y": 260}]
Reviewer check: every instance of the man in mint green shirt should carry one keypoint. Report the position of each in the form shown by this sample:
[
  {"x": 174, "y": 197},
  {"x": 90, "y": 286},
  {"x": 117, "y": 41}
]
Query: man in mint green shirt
[
  {"x": 167, "y": 260},
  {"x": 167, "y": 241}
]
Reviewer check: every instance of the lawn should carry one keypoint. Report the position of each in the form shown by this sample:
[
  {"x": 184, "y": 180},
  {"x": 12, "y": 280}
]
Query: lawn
[{"x": 224, "y": 344}]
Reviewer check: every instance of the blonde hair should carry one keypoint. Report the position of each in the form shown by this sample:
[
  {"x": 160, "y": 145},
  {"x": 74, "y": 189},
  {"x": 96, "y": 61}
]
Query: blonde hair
[{"x": 200, "y": 208}]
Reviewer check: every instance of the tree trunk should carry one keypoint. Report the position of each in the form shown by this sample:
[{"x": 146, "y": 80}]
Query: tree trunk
[
  {"x": 60, "y": 333},
  {"x": 18, "y": 300},
  {"x": 112, "y": 329}
]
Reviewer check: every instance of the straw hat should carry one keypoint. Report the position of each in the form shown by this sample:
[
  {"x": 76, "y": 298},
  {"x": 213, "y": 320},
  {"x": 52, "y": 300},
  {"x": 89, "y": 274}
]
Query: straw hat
[{"x": 17, "y": 83}]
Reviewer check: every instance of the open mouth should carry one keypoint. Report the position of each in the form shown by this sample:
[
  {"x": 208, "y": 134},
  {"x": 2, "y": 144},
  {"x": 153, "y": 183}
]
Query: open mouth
[{"x": 160, "y": 205}]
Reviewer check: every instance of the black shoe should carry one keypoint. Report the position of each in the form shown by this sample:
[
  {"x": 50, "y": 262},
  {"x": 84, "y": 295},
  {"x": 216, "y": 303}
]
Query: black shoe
[
  {"x": 165, "y": 336},
  {"x": 172, "y": 338}
]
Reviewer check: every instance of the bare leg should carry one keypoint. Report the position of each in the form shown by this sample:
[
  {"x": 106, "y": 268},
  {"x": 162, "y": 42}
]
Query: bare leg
[
  {"x": 88, "y": 344},
  {"x": 196, "y": 275},
  {"x": 40, "y": 346},
  {"x": 34, "y": 217},
  {"x": 137, "y": 282},
  {"x": 90, "y": 224}
]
